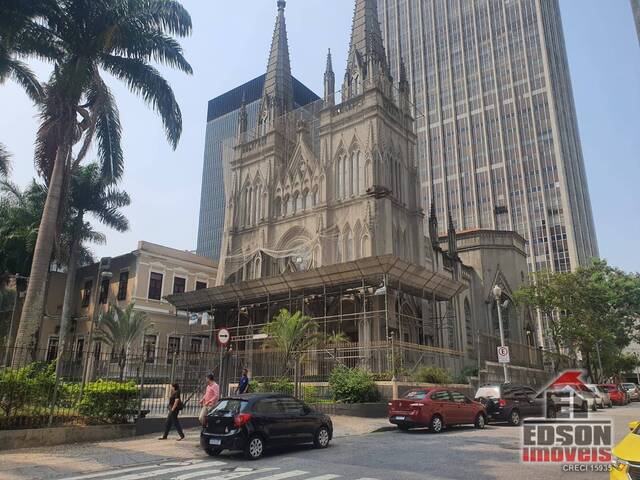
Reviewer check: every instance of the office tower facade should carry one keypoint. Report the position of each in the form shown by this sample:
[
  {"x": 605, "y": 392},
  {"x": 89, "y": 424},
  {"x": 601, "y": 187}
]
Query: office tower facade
[
  {"x": 635, "y": 9},
  {"x": 222, "y": 125},
  {"x": 498, "y": 137}
]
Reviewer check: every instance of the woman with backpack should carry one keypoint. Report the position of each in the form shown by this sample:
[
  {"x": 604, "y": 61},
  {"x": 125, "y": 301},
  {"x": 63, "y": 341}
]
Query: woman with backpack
[{"x": 175, "y": 405}]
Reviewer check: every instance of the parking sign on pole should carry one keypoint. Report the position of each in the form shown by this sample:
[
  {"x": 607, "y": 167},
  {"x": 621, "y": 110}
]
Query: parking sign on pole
[{"x": 503, "y": 355}]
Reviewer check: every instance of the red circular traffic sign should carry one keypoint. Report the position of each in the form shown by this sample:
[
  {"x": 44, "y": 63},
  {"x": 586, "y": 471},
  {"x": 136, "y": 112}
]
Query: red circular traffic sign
[{"x": 224, "y": 336}]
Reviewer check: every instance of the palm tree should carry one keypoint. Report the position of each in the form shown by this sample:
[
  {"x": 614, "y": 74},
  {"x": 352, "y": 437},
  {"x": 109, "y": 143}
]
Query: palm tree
[
  {"x": 292, "y": 334},
  {"x": 122, "y": 38},
  {"x": 4, "y": 161},
  {"x": 20, "y": 213},
  {"x": 89, "y": 195},
  {"x": 119, "y": 328}
]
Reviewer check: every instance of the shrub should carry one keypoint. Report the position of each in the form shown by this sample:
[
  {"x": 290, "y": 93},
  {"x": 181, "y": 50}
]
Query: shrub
[
  {"x": 432, "y": 374},
  {"x": 463, "y": 376},
  {"x": 28, "y": 386},
  {"x": 352, "y": 385},
  {"x": 109, "y": 402},
  {"x": 282, "y": 385}
]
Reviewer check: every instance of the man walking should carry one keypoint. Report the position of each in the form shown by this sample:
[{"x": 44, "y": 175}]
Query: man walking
[
  {"x": 210, "y": 398},
  {"x": 243, "y": 384},
  {"x": 175, "y": 405}
]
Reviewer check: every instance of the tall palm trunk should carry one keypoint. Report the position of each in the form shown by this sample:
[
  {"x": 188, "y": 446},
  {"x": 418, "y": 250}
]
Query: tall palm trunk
[
  {"x": 27, "y": 335},
  {"x": 69, "y": 291}
]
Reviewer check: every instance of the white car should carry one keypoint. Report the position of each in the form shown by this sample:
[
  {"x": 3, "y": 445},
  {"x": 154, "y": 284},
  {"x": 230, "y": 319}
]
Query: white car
[
  {"x": 602, "y": 396},
  {"x": 583, "y": 398}
]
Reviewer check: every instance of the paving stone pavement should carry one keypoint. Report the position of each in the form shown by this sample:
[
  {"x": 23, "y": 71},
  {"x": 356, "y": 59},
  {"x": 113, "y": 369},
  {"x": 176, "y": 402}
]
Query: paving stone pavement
[{"x": 53, "y": 462}]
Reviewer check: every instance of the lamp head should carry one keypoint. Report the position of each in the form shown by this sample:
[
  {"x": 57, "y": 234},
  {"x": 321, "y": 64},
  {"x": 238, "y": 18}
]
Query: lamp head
[{"x": 497, "y": 292}]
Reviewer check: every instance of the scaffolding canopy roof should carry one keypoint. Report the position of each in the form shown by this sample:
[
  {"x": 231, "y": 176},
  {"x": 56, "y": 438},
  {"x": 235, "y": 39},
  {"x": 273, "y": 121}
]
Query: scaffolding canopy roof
[{"x": 410, "y": 278}]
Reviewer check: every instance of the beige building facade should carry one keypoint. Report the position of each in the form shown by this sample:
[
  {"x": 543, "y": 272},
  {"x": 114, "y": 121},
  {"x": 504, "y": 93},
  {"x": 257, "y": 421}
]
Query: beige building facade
[{"x": 144, "y": 277}]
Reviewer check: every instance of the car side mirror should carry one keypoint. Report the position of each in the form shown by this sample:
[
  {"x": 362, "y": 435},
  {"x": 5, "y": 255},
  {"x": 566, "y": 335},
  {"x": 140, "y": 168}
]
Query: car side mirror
[{"x": 633, "y": 425}]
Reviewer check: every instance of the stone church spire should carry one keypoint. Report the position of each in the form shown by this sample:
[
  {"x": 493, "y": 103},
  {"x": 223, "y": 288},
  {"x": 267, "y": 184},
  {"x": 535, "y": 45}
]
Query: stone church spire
[
  {"x": 277, "y": 95},
  {"x": 329, "y": 82},
  {"x": 367, "y": 62},
  {"x": 433, "y": 225},
  {"x": 243, "y": 118},
  {"x": 452, "y": 239}
]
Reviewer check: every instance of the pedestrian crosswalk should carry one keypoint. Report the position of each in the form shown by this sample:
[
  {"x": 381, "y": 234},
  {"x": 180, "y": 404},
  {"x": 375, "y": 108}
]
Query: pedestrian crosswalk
[{"x": 210, "y": 470}]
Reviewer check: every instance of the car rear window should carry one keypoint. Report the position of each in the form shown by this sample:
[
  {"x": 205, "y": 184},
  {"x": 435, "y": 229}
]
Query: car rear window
[
  {"x": 417, "y": 395},
  {"x": 231, "y": 405},
  {"x": 491, "y": 391},
  {"x": 628, "y": 386}
]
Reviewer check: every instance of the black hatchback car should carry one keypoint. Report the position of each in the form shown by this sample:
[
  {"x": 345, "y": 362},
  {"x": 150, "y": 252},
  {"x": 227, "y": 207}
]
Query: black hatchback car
[
  {"x": 255, "y": 421},
  {"x": 510, "y": 402}
]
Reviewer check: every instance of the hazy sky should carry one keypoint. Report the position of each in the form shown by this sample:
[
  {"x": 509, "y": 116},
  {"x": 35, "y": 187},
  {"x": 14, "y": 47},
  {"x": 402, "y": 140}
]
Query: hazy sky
[{"x": 230, "y": 45}]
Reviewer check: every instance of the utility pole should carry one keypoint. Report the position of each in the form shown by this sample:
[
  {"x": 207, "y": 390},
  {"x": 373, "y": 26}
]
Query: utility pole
[{"x": 497, "y": 293}]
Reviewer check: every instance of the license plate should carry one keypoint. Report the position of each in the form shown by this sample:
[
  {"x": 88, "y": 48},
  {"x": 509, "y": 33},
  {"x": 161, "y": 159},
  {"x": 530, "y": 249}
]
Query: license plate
[
  {"x": 400, "y": 418},
  {"x": 215, "y": 441}
]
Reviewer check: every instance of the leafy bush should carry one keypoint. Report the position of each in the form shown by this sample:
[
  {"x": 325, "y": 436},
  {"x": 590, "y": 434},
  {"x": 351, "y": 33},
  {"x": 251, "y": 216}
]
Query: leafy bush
[
  {"x": 282, "y": 385},
  {"x": 109, "y": 402},
  {"x": 463, "y": 376},
  {"x": 352, "y": 385},
  {"x": 28, "y": 386},
  {"x": 432, "y": 374}
]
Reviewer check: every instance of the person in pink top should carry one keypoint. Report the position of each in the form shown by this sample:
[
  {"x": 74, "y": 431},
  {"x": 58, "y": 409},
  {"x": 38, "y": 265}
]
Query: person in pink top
[{"x": 210, "y": 398}]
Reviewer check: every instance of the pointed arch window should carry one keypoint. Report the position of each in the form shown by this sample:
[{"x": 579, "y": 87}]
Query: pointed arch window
[
  {"x": 348, "y": 245},
  {"x": 468, "y": 323}
]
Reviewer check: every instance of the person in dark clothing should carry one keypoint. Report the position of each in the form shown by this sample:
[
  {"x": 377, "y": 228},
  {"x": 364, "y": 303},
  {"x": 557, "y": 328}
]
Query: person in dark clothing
[
  {"x": 175, "y": 405},
  {"x": 243, "y": 384}
]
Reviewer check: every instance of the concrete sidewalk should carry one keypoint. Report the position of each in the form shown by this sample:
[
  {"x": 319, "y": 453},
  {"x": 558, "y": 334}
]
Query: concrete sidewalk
[{"x": 83, "y": 458}]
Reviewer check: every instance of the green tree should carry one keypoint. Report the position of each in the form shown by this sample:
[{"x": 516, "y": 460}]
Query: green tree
[
  {"x": 4, "y": 162},
  {"x": 597, "y": 308},
  {"x": 89, "y": 37},
  {"x": 20, "y": 213},
  {"x": 90, "y": 194},
  {"x": 291, "y": 334},
  {"x": 119, "y": 328}
]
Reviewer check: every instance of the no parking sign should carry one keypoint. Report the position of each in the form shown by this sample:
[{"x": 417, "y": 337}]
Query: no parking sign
[
  {"x": 224, "y": 337},
  {"x": 503, "y": 355}
]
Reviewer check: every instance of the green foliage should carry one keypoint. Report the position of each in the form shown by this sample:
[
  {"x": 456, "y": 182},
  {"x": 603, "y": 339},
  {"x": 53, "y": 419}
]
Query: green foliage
[
  {"x": 597, "y": 307},
  {"x": 352, "y": 385},
  {"x": 431, "y": 374},
  {"x": 109, "y": 402},
  {"x": 291, "y": 334},
  {"x": 462, "y": 378},
  {"x": 282, "y": 385}
]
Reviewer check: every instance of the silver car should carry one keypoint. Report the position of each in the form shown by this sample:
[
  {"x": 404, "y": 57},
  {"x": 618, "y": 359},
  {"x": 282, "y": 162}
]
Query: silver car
[
  {"x": 602, "y": 396},
  {"x": 633, "y": 391}
]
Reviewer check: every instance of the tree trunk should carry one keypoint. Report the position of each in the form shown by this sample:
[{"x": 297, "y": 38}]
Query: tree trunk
[
  {"x": 27, "y": 335},
  {"x": 69, "y": 291}
]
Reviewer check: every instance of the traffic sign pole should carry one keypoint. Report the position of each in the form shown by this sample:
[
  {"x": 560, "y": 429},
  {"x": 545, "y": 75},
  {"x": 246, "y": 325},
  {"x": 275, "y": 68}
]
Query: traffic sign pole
[{"x": 504, "y": 365}]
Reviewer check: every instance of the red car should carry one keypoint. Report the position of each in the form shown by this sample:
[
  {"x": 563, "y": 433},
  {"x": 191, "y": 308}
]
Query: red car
[
  {"x": 436, "y": 408},
  {"x": 617, "y": 393}
]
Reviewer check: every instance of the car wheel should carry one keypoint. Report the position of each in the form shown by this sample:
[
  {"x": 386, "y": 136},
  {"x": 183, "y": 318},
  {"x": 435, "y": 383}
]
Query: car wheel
[
  {"x": 436, "y": 424},
  {"x": 594, "y": 407},
  {"x": 584, "y": 407},
  {"x": 322, "y": 437},
  {"x": 254, "y": 448},
  {"x": 514, "y": 418},
  {"x": 481, "y": 421},
  {"x": 213, "y": 452},
  {"x": 552, "y": 412},
  {"x": 610, "y": 404},
  {"x": 404, "y": 428}
]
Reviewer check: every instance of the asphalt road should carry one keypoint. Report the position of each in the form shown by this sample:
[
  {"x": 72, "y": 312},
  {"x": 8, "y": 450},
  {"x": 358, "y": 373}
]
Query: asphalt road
[{"x": 457, "y": 453}]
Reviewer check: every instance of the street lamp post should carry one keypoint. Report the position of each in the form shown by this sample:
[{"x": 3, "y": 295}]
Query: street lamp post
[
  {"x": 497, "y": 293},
  {"x": 102, "y": 274}
]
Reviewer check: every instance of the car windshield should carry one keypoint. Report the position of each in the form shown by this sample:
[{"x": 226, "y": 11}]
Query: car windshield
[
  {"x": 628, "y": 386},
  {"x": 417, "y": 395},
  {"x": 488, "y": 391},
  {"x": 230, "y": 405}
]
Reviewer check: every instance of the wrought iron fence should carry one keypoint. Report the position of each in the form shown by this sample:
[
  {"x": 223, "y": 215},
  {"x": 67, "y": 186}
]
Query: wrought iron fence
[{"x": 91, "y": 387}]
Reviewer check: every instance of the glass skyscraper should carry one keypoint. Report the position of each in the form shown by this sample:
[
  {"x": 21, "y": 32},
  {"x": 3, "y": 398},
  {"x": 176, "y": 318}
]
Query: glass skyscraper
[
  {"x": 222, "y": 127},
  {"x": 497, "y": 131}
]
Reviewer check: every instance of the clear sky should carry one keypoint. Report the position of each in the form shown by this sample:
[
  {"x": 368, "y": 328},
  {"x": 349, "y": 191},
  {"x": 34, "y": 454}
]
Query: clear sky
[{"x": 230, "y": 46}]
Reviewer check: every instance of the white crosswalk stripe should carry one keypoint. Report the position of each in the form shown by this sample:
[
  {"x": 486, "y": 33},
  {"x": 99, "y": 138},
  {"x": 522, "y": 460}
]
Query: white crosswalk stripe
[
  {"x": 329, "y": 476},
  {"x": 206, "y": 470},
  {"x": 283, "y": 475}
]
